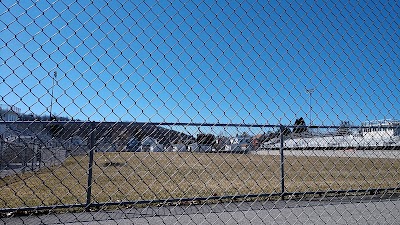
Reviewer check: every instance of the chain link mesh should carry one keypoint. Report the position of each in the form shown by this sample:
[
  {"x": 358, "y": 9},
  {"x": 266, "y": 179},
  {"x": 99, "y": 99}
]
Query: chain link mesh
[{"x": 199, "y": 112}]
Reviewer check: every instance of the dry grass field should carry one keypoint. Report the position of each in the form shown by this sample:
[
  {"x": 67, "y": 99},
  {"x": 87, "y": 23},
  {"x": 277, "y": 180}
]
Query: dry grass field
[{"x": 144, "y": 176}]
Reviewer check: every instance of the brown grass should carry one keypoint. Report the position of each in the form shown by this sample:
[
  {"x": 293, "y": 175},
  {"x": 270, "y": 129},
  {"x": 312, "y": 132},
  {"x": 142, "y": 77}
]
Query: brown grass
[{"x": 144, "y": 176}]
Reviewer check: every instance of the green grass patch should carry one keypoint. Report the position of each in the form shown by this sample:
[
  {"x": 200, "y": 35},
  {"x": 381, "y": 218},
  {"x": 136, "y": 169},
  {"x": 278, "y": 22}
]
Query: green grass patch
[{"x": 145, "y": 176}]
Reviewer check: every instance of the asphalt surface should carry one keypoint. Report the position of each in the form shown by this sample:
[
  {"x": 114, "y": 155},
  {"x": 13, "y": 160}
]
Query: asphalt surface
[{"x": 328, "y": 210}]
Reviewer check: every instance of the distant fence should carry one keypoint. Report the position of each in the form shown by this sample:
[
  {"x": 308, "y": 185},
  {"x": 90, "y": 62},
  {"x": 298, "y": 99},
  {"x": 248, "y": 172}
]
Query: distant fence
[{"x": 22, "y": 157}]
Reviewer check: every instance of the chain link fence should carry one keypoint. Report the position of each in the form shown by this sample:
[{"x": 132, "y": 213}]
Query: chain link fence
[{"x": 199, "y": 112}]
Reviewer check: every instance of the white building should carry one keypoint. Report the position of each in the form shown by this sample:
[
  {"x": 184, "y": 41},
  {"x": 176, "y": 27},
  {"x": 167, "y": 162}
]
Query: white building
[
  {"x": 149, "y": 144},
  {"x": 179, "y": 147},
  {"x": 133, "y": 145},
  {"x": 240, "y": 143},
  {"x": 373, "y": 133},
  {"x": 381, "y": 128},
  {"x": 195, "y": 147},
  {"x": 9, "y": 113}
]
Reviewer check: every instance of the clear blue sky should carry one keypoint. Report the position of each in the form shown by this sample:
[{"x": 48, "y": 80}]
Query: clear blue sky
[{"x": 202, "y": 61}]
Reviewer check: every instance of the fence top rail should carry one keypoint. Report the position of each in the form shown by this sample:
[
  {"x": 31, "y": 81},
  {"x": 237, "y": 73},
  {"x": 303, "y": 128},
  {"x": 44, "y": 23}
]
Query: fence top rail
[{"x": 46, "y": 122}]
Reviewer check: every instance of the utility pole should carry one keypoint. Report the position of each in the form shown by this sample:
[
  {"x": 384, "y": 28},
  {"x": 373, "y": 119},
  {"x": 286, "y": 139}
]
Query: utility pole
[
  {"x": 310, "y": 91},
  {"x": 52, "y": 94}
]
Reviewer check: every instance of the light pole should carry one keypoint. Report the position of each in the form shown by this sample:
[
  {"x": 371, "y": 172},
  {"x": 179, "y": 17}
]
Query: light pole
[
  {"x": 52, "y": 93},
  {"x": 310, "y": 91}
]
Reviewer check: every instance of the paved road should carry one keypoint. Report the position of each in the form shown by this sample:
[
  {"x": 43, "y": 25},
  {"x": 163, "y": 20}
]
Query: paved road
[{"x": 343, "y": 210}]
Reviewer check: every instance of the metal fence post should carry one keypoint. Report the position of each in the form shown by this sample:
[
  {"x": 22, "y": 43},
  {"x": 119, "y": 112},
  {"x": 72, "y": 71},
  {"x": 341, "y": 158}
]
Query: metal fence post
[
  {"x": 282, "y": 160},
  {"x": 90, "y": 167},
  {"x": 2, "y": 144},
  {"x": 33, "y": 156},
  {"x": 24, "y": 152}
]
